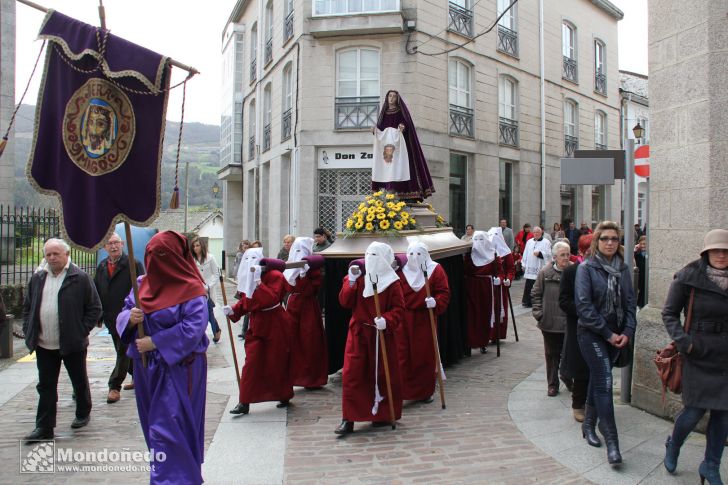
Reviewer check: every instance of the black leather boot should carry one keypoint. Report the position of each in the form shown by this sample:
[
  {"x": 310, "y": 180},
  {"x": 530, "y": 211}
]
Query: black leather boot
[
  {"x": 608, "y": 428},
  {"x": 241, "y": 408},
  {"x": 588, "y": 427},
  {"x": 345, "y": 427}
]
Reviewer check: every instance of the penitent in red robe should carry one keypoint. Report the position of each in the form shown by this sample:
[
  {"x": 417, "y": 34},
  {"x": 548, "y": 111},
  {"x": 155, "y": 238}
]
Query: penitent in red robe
[
  {"x": 266, "y": 375},
  {"x": 506, "y": 270},
  {"x": 417, "y": 362},
  {"x": 357, "y": 378},
  {"x": 479, "y": 296},
  {"x": 309, "y": 355}
]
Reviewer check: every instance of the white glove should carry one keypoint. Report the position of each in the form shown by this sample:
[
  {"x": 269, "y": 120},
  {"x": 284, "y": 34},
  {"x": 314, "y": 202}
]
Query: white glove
[
  {"x": 207, "y": 287},
  {"x": 506, "y": 282},
  {"x": 496, "y": 281},
  {"x": 430, "y": 302},
  {"x": 227, "y": 310},
  {"x": 257, "y": 273},
  {"x": 381, "y": 323},
  {"x": 354, "y": 274}
]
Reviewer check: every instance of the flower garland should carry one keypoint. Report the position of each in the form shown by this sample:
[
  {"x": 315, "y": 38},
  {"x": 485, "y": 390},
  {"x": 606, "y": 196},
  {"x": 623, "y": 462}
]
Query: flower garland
[{"x": 380, "y": 212}]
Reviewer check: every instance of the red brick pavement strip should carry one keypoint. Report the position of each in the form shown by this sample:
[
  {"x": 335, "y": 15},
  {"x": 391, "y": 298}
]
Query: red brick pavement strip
[
  {"x": 473, "y": 441},
  {"x": 113, "y": 426}
]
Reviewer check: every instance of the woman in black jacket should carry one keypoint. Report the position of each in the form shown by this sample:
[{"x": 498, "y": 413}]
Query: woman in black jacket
[
  {"x": 704, "y": 350},
  {"x": 605, "y": 304}
]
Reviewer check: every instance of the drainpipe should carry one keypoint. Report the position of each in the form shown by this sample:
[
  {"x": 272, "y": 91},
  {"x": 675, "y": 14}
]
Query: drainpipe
[{"x": 543, "y": 114}]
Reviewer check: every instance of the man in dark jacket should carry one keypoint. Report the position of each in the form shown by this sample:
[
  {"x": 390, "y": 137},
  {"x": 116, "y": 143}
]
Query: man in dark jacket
[
  {"x": 113, "y": 283},
  {"x": 61, "y": 307}
]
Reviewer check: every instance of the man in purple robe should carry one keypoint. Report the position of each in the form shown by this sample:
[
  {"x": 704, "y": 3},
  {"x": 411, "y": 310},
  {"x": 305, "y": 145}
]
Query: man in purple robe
[
  {"x": 394, "y": 114},
  {"x": 170, "y": 390}
]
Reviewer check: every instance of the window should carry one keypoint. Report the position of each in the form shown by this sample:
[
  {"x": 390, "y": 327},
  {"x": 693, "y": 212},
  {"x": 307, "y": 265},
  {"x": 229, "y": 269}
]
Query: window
[
  {"x": 268, "y": 32},
  {"x": 287, "y": 102},
  {"x": 345, "y": 7},
  {"x": 644, "y": 124},
  {"x": 505, "y": 191},
  {"x": 357, "y": 88},
  {"x": 571, "y": 127},
  {"x": 288, "y": 21},
  {"x": 461, "y": 17},
  {"x": 251, "y": 130},
  {"x": 507, "y": 112},
  {"x": 253, "y": 53},
  {"x": 461, "y": 112},
  {"x": 266, "y": 117},
  {"x": 600, "y": 130},
  {"x": 507, "y": 29},
  {"x": 600, "y": 70},
  {"x": 458, "y": 192},
  {"x": 568, "y": 39}
]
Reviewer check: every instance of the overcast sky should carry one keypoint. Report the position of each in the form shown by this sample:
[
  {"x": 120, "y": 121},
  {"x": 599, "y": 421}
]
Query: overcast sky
[{"x": 190, "y": 31}]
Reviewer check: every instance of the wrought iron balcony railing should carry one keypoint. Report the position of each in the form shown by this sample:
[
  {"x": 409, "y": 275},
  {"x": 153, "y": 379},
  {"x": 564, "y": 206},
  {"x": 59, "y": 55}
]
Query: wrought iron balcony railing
[
  {"x": 253, "y": 70},
  {"x": 461, "y": 20},
  {"x": 268, "y": 51},
  {"x": 286, "y": 124},
  {"x": 266, "y": 137},
  {"x": 570, "y": 70},
  {"x": 288, "y": 27},
  {"x": 251, "y": 147},
  {"x": 461, "y": 121},
  {"x": 599, "y": 146},
  {"x": 508, "y": 132},
  {"x": 507, "y": 41},
  {"x": 571, "y": 143},
  {"x": 600, "y": 83},
  {"x": 356, "y": 113}
]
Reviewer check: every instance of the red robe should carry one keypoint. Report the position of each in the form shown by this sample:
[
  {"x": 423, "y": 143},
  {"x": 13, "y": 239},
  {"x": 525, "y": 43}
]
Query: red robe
[
  {"x": 309, "y": 354},
  {"x": 479, "y": 296},
  {"x": 506, "y": 270},
  {"x": 266, "y": 374},
  {"x": 357, "y": 378},
  {"x": 417, "y": 362}
]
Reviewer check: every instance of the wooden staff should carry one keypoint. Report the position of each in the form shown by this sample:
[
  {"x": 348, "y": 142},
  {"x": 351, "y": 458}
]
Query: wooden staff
[
  {"x": 433, "y": 325},
  {"x": 230, "y": 330},
  {"x": 513, "y": 315},
  {"x": 134, "y": 285},
  {"x": 383, "y": 344},
  {"x": 497, "y": 308}
]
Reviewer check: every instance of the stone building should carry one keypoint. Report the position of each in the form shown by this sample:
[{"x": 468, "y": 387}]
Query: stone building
[
  {"x": 7, "y": 98},
  {"x": 633, "y": 91},
  {"x": 304, "y": 80}
]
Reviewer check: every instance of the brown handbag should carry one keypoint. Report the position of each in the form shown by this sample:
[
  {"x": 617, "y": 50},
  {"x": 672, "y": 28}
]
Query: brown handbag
[{"x": 669, "y": 361}]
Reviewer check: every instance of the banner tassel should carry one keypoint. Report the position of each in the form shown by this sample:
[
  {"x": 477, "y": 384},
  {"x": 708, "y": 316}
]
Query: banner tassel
[{"x": 174, "y": 202}]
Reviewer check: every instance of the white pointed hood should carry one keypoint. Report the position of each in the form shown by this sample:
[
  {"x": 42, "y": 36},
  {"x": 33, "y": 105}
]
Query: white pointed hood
[
  {"x": 483, "y": 251},
  {"x": 496, "y": 237},
  {"x": 246, "y": 279},
  {"x": 378, "y": 262},
  {"x": 301, "y": 248},
  {"x": 418, "y": 257}
]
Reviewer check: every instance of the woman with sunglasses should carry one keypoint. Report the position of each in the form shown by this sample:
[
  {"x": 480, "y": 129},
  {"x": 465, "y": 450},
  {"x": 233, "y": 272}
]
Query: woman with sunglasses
[{"x": 605, "y": 304}]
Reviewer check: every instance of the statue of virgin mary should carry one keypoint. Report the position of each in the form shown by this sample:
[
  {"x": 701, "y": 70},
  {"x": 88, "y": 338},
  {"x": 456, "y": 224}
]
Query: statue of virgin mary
[{"x": 418, "y": 186}]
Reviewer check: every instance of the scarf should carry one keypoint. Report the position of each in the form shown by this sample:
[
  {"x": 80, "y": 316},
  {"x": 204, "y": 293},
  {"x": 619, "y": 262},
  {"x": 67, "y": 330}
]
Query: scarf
[
  {"x": 614, "y": 288},
  {"x": 718, "y": 276}
]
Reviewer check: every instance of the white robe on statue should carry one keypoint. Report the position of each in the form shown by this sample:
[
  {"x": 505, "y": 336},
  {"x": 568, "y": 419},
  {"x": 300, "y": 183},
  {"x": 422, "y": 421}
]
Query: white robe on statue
[{"x": 391, "y": 161}]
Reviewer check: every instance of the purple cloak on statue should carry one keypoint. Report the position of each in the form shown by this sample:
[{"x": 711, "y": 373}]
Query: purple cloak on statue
[
  {"x": 171, "y": 390},
  {"x": 99, "y": 127},
  {"x": 419, "y": 186}
]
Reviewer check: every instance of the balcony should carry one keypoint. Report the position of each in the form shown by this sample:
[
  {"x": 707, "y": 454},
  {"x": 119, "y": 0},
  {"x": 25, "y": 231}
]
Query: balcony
[
  {"x": 571, "y": 143},
  {"x": 288, "y": 27},
  {"x": 570, "y": 72},
  {"x": 286, "y": 125},
  {"x": 356, "y": 113},
  {"x": 266, "y": 137},
  {"x": 508, "y": 132},
  {"x": 253, "y": 70},
  {"x": 251, "y": 147},
  {"x": 268, "y": 56},
  {"x": 461, "y": 121},
  {"x": 329, "y": 19},
  {"x": 507, "y": 41},
  {"x": 461, "y": 20},
  {"x": 599, "y": 146},
  {"x": 600, "y": 83}
]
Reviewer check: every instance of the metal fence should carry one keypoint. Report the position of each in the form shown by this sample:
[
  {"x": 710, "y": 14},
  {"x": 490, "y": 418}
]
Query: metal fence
[{"x": 23, "y": 231}]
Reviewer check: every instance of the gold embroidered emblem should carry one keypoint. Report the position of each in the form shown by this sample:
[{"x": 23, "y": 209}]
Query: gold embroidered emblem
[{"x": 98, "y": 127}]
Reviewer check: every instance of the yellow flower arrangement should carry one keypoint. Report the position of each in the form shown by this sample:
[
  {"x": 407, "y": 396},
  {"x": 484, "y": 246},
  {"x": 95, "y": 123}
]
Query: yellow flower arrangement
[{"x": 380, "y": 212}]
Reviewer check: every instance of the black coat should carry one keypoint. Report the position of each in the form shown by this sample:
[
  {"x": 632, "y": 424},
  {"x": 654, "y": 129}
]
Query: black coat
[
  {"x": 572, "y": 362},
  {"x": 113, "y": 289},
  {"x": 79, "y": 309},
  {"x": 705, "y": 368}
]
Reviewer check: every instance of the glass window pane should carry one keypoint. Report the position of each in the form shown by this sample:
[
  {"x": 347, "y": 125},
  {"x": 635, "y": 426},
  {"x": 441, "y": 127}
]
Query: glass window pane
[
  {"x": 369, "y": 64},
  {"x": 347, "y": 65},
  {"x": 347, "y": 89},
  {"x": 369, "y": 88}
]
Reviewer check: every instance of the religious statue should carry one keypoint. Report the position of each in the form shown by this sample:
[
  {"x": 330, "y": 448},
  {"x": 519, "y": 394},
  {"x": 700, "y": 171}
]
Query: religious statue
[{"x": 410, "y": 182}]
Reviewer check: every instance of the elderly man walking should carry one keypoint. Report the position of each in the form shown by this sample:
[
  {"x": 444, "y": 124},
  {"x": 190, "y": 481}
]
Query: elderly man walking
[
  {"x": 61, "y": 307},
  {"x": 113, "y": 283},
  {"x": 536, "y": 255}
]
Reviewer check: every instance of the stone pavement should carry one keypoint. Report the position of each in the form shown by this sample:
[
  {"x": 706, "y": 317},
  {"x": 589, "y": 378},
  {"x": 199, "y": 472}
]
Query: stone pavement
[{"x": 499, "y": 427}]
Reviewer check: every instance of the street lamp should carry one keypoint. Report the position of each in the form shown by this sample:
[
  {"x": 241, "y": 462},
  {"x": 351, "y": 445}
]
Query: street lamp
[
  {"x": 638, "y": 131},
  {"x": 215, "y": 190}
]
